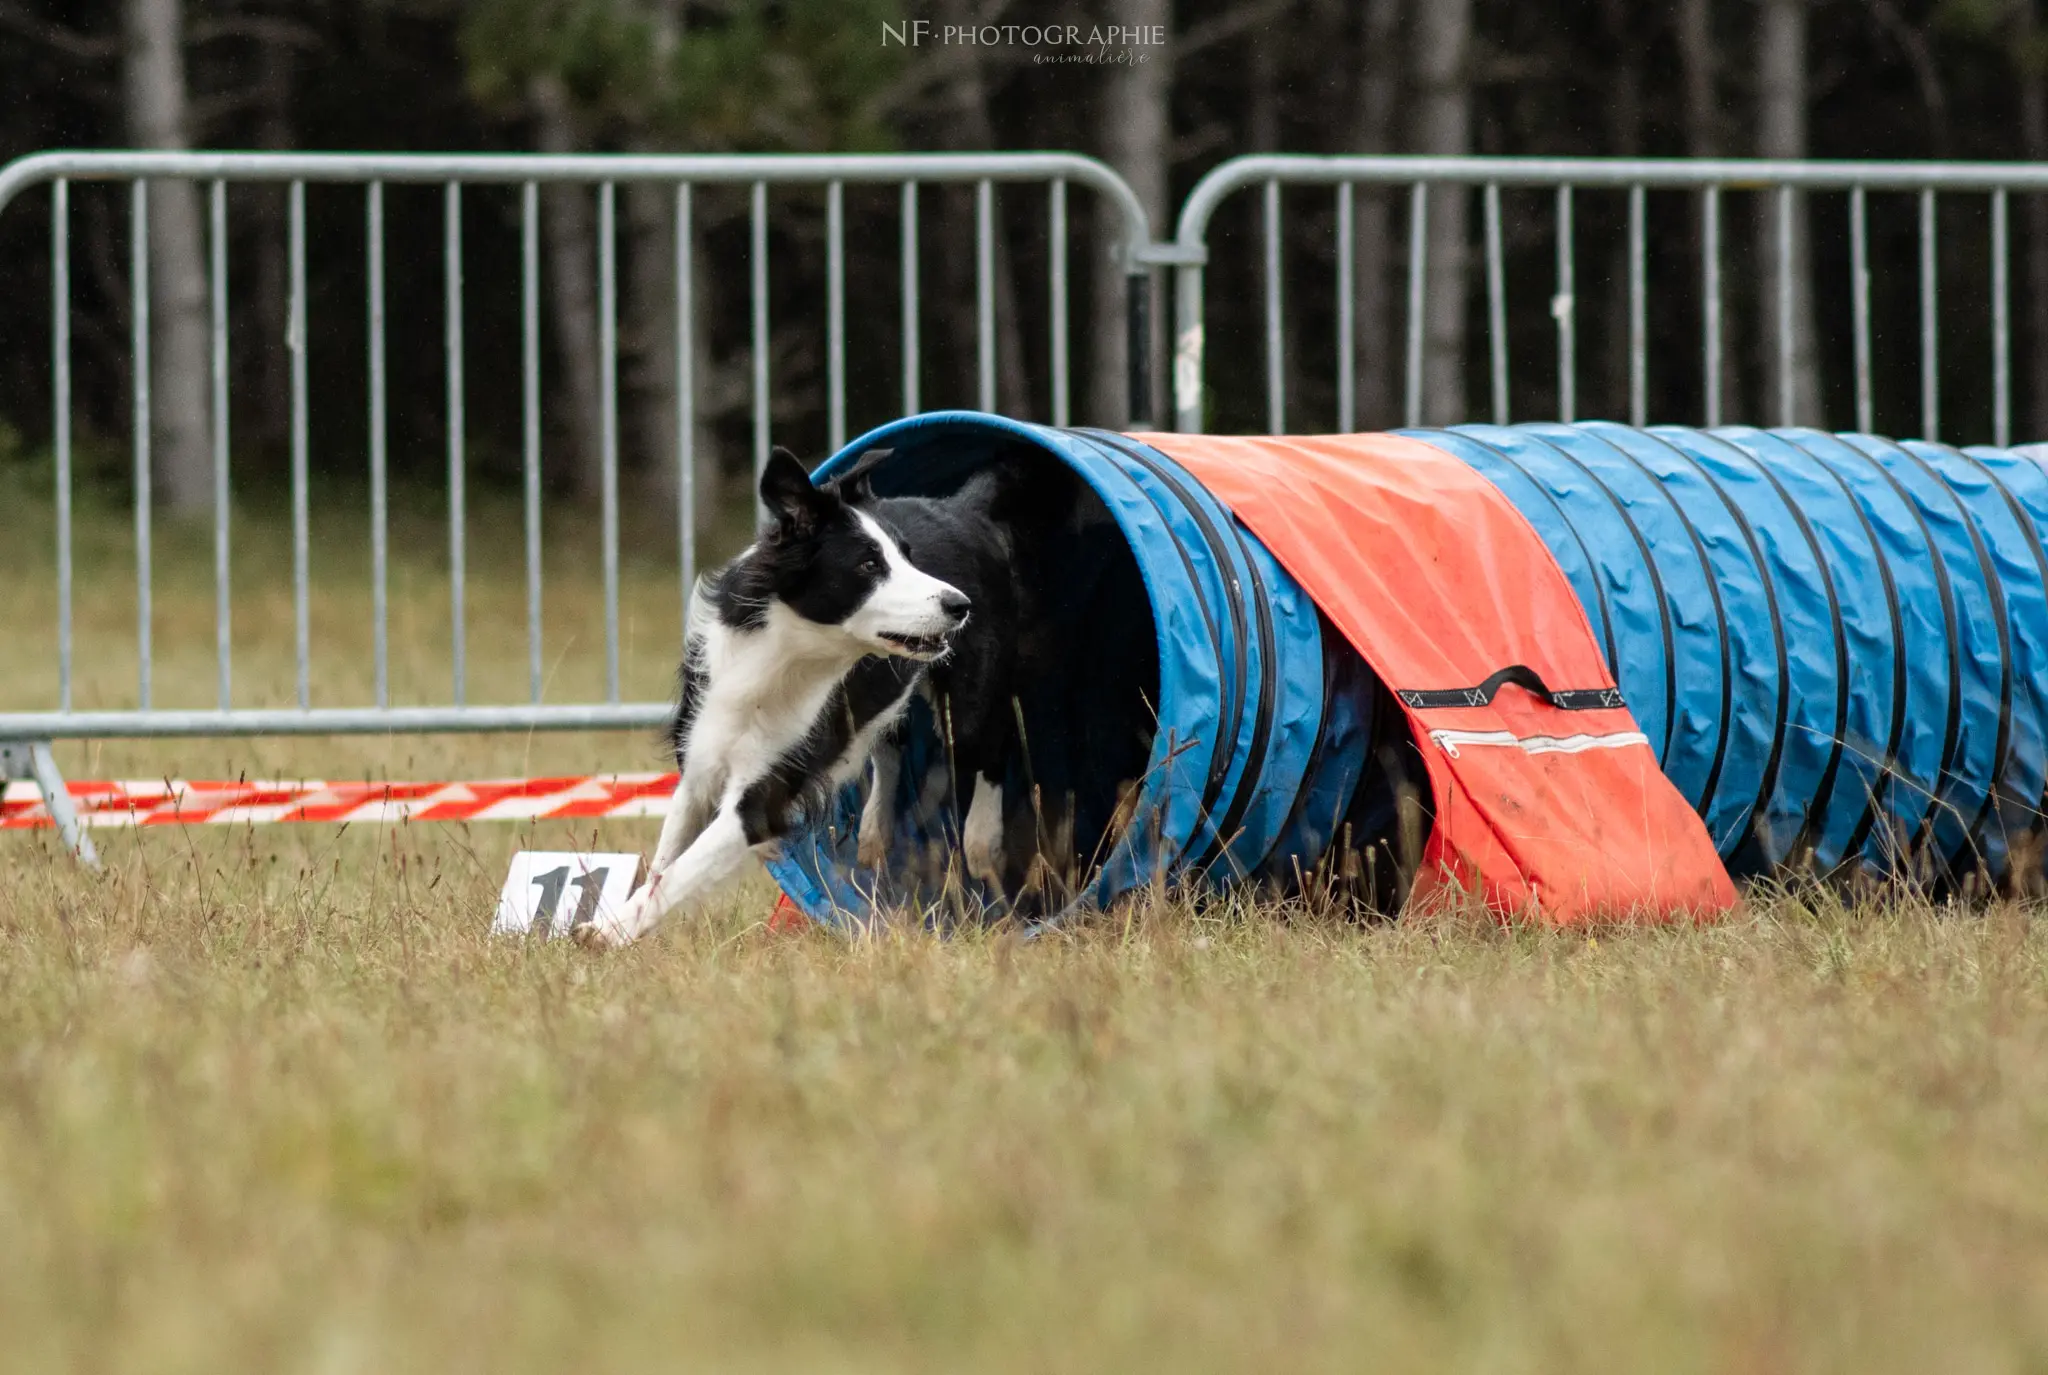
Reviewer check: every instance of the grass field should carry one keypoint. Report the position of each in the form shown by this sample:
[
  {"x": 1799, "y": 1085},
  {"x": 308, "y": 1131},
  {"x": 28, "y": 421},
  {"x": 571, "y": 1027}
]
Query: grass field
[{"x": 271, "y": 1100}]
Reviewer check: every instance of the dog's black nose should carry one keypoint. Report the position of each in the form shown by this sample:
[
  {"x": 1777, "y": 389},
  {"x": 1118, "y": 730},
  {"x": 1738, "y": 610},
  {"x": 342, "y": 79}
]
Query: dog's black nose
[{"x": 955, "y": 605}]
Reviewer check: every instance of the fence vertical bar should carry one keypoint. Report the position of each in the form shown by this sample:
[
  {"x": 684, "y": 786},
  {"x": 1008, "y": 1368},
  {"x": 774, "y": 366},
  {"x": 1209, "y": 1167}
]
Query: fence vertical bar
[
  {"x": 1710, "y": 294},
  {"x": 1496, "y": 304},
  {"x": 138, "y": 318},
  {"x": 1859, "y": 307},
  {"x": 758, "y": 292},
  {"x": 1787, "y": 397},
  {"x": 907, "y": 252},
  {"x": 1930, "y": 344},
  {"x": 529, "y": 386},
  {"x": 1138, "y": 347},
  {"x": 2001, "y": 323},
  {"x": 608, "y": 384},
  {"x": 1418, "y": 263},
  {"x": 219, "y": 291},
  {"x": 835, "y": 316},
  {"x": 1638, "y": 309},
  {"x": 1564, "y": 308},
  {"x": 686, "y": 403},
  {"x": 1276, "y": 359},
  {"x": 451, "y": 230},
  {"x": 1187, "y": 348},
  {"x": 60, "y": 385},
  {"x": 295, "y": 345},
  {"x": 985, "y": 293},
  {"x": 379, "y": 540},
  {"x": 1056, "y": 254},
  {"x": 1347, "y": 325}
]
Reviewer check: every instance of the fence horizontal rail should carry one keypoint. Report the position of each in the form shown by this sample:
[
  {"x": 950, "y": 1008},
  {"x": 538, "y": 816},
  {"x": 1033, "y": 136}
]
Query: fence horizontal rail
[
  {"x": 1784, "y": 181},
  {"x": 1664, "y": 174},
  {"x": 116, "y": 725},
  {"x": 507, "y": 169}
]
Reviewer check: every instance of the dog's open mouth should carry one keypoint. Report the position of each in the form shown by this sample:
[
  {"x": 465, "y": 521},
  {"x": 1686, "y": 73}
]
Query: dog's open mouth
[{"x": 917, "y": 646}]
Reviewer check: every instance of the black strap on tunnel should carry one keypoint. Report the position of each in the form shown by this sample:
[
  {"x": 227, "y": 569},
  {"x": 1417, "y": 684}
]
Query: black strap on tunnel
[
  {"x": 1824, "y": 787},
  {"x": 1995, "y": 593},
  {"x": 1713, "y": 586},
  {"x": 1768, "y": 582},
  {"x": 1220, "y": 757},
  {"x": 1994, "y": 587},
  {"x": 1522, "y": 676},
  {"x": 2021, "y": 517},
  {"x": 1952, "y": 637},
  {"x": 1269, "y": 668},
  {"x": 1874, "y": 796},
  {"x": 1873, "y": 801},
  {"x": 1253, "y": 779}
]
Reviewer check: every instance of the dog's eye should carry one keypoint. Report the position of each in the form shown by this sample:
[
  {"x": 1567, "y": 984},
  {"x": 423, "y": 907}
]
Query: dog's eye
[{"x": 870, "y": 564}]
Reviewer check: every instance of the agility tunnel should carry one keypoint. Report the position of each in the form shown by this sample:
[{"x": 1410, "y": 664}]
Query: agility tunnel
[{"x": 1583, "y": 670}]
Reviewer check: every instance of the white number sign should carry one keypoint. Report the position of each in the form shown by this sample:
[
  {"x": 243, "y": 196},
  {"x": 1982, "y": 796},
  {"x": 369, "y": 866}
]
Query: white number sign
[{"x": 555, "y": 891}]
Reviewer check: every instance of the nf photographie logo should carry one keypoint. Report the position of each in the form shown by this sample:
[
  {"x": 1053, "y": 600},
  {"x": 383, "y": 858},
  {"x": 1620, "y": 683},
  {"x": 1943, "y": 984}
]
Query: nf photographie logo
[{"x": 1109, "y": 44}]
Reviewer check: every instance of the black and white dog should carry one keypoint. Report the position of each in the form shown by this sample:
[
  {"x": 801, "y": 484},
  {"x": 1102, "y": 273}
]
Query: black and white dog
[{"x": 801, "y": 656}]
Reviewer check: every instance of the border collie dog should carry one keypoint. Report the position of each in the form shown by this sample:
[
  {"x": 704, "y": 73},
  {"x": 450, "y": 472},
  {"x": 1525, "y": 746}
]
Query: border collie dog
[{"x": 801, "y": 656}]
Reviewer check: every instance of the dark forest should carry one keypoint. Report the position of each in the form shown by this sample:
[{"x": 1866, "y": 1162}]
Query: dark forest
[{"x": 1833, "y": 79}]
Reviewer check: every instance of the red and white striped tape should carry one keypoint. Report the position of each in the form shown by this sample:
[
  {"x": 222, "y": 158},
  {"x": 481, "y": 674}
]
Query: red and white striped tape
[{"x": 180, "y": 803}]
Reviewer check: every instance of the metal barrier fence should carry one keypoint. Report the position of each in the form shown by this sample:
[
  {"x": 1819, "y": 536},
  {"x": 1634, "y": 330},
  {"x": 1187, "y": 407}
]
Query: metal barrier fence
[
  {"x": 1634, "y": 178},
  {"x": 24, "y": 734},
  {"x": 605, "y": 174}
]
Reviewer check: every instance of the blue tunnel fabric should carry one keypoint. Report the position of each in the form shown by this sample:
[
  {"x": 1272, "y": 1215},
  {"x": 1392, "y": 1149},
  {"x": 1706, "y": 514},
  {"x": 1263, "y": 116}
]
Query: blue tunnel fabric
[
  {"x": 1836, "y": 644},
  {"x": 1279, "y": 705},
  {"x": 1976, "y": 724},
  {"x": 1850, "y": 635},
  {"x": 1350, "y": 721},
  {"x": 1723, "y": 581},
  {"x": 2025, "y": 483},
  {"x": 1990, "y": 483},
  {"x": 1788, "y": 505},
  {"x": 1241, "y": 661}
]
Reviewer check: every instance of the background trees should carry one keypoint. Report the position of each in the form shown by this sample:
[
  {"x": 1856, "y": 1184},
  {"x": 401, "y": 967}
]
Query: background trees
[{"x": 1832, "y": 78}]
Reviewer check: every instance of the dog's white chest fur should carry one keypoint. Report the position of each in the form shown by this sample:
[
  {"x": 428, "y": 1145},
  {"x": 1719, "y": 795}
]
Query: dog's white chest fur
[{"x": 764, "y": 690}]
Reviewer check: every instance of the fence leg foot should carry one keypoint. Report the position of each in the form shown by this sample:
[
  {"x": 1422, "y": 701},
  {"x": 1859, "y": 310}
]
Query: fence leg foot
[{"x": 32, "y": 761}]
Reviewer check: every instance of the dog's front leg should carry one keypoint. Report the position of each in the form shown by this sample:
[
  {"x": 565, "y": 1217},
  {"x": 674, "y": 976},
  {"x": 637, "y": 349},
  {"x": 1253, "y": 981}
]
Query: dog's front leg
[
  {"x": 689, "y": 811},
  {"x": 878, "y": 814},
  {"x": 982, "y": 837},
  {"x": 710, "y": 859}
]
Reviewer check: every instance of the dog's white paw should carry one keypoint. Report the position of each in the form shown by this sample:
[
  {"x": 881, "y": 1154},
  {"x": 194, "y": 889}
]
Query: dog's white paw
[
  {"x": 985, "y": 861},
  {"x": 874, "y": 840},
  {"x": 611, "y": 931},
  {"x": 982, "y": 842},
  {"x": 600, "y": 934},
  {"x": 877, "y": 825}
]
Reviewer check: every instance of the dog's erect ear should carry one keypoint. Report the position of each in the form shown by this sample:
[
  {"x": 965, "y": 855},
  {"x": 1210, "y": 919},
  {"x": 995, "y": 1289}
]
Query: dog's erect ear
[
  {"x": 854, "y": 483},
  {"x": 786, "y": 490}
]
